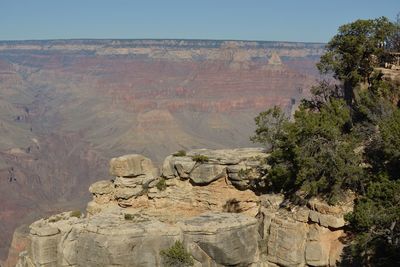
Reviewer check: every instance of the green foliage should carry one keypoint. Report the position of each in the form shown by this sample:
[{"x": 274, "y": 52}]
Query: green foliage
[
  {"x": 377, "y": 102},
  {"x": 375, "y": 219},
  {"x": 180, "y": 153},
  {"x": 383, "y": 152},
  {"x": 76, "y": 213},
  {"x": 177, "y": 256},
  {"x": 269, "y": 126},
  {"x": 135, "y": 218},
  {"x": 161, "y": 184},
  {"x": 129, "y": 217},
  {"x": 314, "y": 154},
  {"x": 350, "y": 53},
  {"x": 200, "y": 158},
  {"x": 232, "y": 206},
  {"x": 346, "y": 136}
]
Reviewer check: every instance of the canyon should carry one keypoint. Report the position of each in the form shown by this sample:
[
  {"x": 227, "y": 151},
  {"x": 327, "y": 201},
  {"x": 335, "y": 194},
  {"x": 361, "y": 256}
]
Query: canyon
[{"x": 67, "y": 106}]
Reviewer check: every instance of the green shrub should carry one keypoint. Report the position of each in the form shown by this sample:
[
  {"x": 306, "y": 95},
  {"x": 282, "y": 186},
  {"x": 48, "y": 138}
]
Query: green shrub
[
  {"x": 200, "y": 158},
  {"x": 232, "y": 206},
  {"x": 161, "y": 185},
  {"x": 129, "y": 217},
  {"x": 76, "y": 213},
  {"x": 180, "y": 153},
  {"x": 177, "y": 256},
  {"x": 54, "y": 219}
]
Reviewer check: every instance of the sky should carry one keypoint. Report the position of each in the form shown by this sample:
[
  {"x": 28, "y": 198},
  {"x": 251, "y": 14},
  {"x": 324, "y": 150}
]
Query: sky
[{"x": 278, "y": 20}]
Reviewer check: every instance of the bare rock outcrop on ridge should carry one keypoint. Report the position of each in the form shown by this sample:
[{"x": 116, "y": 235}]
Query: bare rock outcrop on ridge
[{"x": 213, "y": 211}]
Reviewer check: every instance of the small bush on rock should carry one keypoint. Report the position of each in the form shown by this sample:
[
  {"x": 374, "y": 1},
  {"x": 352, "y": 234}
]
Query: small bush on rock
[
  {"x": 129, "y": 217},
  {"x": 232, "y": 206},
  {"x": 177, "y": 256},
  {"x": 161, "y": 185},
  {"x": 200, "y": 158},
  {"x": 180, "y": 153},
  {"x": 54, "y": 219}
]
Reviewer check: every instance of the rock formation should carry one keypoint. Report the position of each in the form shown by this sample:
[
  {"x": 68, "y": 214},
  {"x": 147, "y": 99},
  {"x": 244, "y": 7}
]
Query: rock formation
[{"x": 207, "y": 199}]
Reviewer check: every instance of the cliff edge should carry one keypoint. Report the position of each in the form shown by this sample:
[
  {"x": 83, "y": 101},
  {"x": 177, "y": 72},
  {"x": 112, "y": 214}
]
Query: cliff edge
[{"x": 207, "y": 199}]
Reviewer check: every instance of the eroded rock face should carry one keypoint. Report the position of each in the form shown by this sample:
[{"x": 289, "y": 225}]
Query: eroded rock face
[
  {"x": 243, "y": 167},
  {"x": 286, "y": 242},
  {"x": 110, "y": 239},
  {"x": 226, "y": 238},
  {"x": 292, "y": 237},
  {"x": 132, "y": 218}
]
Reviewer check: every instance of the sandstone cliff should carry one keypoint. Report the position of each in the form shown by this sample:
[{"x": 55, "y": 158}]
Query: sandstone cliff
[{"x": 205, "y": 198}]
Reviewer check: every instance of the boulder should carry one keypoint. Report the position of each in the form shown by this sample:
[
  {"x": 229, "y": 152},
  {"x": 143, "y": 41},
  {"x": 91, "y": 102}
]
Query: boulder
[
  {"x": 175, "y": 166},
  {"x": 206, "y": 173},
  {"x": 241, "y": 185},
  {"x": 186, "y": 164},
  {"x": 102, "y": 187},
  {"x": 131, "y": 166},
  {"x": 168, "y": 168}
]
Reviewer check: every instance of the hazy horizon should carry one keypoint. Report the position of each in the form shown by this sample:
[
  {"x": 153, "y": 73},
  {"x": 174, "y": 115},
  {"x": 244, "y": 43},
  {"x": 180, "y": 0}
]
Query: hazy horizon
[
  {"x": 254, "y": 20},
  {"x": 157, "y": 39}
]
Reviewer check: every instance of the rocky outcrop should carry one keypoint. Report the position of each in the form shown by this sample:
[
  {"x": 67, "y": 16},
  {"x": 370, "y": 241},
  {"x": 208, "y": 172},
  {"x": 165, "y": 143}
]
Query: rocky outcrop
[
  {"x": 295, "y": 236},
  {"x": 109, "y": 239},
  {"x": 219, "y": 222},
  {"x": 244, "y": 167}
]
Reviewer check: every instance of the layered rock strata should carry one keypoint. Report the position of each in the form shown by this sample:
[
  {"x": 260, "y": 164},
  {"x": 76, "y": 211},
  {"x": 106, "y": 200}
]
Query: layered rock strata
[{"x": 204, "y": 198}]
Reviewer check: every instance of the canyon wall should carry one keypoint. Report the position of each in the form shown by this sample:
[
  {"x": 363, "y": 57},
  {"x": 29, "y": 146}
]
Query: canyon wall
[{"x": 66, "y": 107}]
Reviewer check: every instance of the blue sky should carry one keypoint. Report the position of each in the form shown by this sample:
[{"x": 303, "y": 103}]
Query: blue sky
[{"x": 284, "y": 20}]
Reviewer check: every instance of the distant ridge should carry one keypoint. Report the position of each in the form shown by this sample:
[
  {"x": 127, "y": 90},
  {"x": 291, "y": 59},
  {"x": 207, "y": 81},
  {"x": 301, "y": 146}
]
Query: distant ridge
[{"x": 168, "y": 42}]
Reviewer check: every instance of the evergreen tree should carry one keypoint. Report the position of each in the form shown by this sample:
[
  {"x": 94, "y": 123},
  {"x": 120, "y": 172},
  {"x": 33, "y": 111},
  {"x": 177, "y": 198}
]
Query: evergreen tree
[{"x": 346, "y": 137}]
